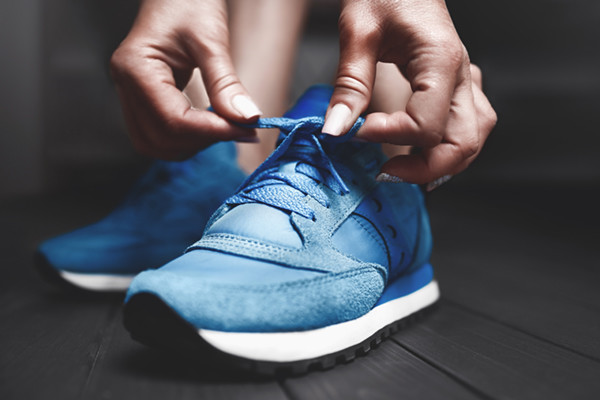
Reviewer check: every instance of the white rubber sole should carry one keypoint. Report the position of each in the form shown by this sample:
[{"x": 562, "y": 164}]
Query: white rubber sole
[
  {"x": 284, "y": 347},
  {"x": 98, "y": 282}
]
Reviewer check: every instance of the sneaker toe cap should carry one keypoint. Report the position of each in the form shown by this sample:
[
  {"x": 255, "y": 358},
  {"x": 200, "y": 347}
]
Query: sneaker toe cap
[{"x": 211, "y": 290}]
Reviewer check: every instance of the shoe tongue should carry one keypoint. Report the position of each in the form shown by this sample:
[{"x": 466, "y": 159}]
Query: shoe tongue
[
  {"x": 288, "y": 167},
  {"x": 216, "y": 160},
  {"x": 258, "y": 222},
  {"x": 313, "y": 103},
  {"x": 266, "y": 223}
]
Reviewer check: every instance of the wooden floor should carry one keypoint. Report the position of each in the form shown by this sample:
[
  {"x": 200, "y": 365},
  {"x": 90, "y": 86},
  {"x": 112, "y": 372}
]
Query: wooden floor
[{"x": 519, "y": 318}]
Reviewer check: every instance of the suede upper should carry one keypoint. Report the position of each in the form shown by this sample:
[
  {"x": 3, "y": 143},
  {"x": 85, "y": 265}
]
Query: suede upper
[
  {"x": 164, "y": 213},
  {"x": 309, "y": 240}
]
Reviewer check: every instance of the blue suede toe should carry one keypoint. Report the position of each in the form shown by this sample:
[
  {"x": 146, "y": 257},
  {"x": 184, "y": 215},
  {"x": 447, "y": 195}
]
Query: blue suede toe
[
  {"x": 228, "y": 293},
  {"x": 311, "y": 239}
]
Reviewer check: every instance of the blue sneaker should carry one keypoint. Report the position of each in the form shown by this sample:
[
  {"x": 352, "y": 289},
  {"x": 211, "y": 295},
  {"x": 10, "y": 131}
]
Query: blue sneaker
[
  {"x": 163, "y": 214},
  {"x": 309, "y": 263}
]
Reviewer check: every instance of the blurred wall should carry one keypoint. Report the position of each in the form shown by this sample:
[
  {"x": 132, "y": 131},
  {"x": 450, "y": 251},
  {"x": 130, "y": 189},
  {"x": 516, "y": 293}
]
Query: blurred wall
[
  {"x": 541, "y": 62},
  {"x": 85, "y": 141},
  {"x": 20, "y": 97}
]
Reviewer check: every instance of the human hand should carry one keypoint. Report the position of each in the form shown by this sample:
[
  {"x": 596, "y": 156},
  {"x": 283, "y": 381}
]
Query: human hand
[
  {"x": 447, "y": 114},
  {"x": 155, "y": 62}
]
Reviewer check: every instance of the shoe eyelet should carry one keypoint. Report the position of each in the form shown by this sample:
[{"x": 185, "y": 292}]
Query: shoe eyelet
[
  {"x": 377, "y": 204},
  {"x": 394, "y": 233}
]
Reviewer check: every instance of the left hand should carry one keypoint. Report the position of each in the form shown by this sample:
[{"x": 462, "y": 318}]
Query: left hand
[{"x": 447, "y": 115}]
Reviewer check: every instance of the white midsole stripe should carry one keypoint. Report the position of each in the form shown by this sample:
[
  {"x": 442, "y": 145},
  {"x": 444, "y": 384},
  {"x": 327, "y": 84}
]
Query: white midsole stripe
[
  {"x": 302, "y": 345},
  {"x": 98, "y": 282}
]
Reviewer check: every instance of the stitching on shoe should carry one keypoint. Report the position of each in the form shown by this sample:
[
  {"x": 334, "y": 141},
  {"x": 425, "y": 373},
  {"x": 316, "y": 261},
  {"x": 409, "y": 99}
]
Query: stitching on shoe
[
  {"x": 284, "y": 286},
  {"x": 378, "y": 240},
  {"x": 214, "y": 237}
]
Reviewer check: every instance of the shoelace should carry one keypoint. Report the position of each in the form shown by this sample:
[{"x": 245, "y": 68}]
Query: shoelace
[{"x": 299, "y": 167}]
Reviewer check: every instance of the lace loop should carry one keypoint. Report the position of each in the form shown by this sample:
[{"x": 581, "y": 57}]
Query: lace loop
[{"x": 299, "y": 167}]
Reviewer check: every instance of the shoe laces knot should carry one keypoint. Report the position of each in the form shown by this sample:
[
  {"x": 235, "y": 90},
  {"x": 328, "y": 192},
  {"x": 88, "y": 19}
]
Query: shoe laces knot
[{"x": 301, "y": 166}]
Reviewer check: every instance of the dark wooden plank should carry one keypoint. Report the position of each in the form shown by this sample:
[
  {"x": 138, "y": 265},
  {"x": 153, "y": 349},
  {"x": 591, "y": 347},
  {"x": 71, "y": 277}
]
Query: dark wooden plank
[
  {"x": 522, "y": 274},
  {"x": 49, "y": 339},
  {"x": 26, "y": 221},
  {"x": 49, "y": 343},
  {"x": 127, "y": 370},
  {"x": 532, "y": 270},
  {"x": 528, "y": 307},
  {"x": 498, "y": 360},
  {"x": 75, "y": 346},
  {"x": 388, "y": 372}
]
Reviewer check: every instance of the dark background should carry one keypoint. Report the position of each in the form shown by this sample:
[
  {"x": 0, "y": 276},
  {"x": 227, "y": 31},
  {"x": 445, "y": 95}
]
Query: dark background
[
  {"x": 62, "y": 128},
  {"x": 516, "y": 235}
]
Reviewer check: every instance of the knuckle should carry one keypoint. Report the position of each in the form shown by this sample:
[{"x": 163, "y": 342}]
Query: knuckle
[
  {"x": 361, "y": 36},
  {"x": 471, "y": 148},
  {"x": 432, "y": 138},
  {"x": 454, "y": 51},
  {"x": 209, "y": 43},
  {"x": 120, "y": 63},
  {"x": 428, "y": 174},
  {"x": 222, "y": 83},
  {"x": 488, "y": 117},
  {"x": 492, "y": 118},
  {"x": 358, "y": 28},
  {"x": 457, "y": 55},
  {"x": 476, "y": 73},
  {"x": 351, "y": 80},
  {"x": 432, "y": 132},
  {"x": 172, "y": 127}
]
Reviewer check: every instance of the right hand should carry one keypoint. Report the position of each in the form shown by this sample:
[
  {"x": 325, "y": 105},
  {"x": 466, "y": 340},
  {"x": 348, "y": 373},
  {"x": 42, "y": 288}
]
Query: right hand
[
  {"x": 168, "y": 40},
  {"x": 446, "y": 115}
]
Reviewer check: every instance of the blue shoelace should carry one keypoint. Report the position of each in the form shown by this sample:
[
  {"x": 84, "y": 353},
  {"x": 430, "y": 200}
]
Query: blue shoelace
[{"x": 299, "y": 167}]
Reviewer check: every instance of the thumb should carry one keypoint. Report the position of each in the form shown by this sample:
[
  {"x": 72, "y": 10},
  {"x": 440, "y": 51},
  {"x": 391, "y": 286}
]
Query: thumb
[
  {"x": 353, "y": 84},
  {"x": 225, "y": 91}
]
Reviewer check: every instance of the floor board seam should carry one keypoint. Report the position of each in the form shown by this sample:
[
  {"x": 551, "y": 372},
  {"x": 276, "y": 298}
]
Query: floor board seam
[
  {"x": 105, "y": 338},
  {"x": 455, "y": 378},
  {"x": 286, "y": 390},
  {"x": 522, "y": 331}
]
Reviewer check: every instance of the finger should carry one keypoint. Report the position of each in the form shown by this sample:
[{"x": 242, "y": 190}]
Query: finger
[
  {"x": 354, "y": 79},
  {"x": 174, "y": 112},
  {"x": 227, "y": 95},
  {"x": 147, "y": 137},
  {"x": 476, "y": 76},
  {"x": 434, "y": 77},
  {"x": 421, "y": 168},
  {"x": 461, "y": 145},
  {"x": 486, "y": 115},
  {"x": 392, "y": 128},
  {"x": 160, "y": 119}
]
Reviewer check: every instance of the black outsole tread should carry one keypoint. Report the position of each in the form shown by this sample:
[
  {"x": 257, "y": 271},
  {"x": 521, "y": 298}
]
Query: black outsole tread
[{"x": 151, "y": 322}]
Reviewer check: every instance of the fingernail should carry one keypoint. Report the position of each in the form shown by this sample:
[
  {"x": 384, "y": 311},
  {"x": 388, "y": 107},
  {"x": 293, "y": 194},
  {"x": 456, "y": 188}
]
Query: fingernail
[
  {"x": 245, "y": 106},
  {"x": 384, "y": 177},
  {"x": 336, "y": 120},
  {"x": 439, "y": 181}
]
